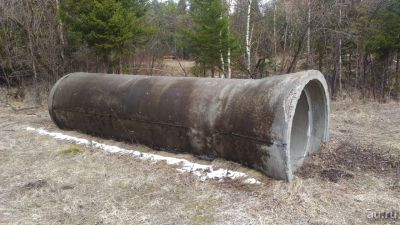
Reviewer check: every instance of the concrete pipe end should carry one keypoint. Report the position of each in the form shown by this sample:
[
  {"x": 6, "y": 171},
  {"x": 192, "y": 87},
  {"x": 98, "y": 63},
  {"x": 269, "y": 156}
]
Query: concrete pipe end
[
  {"x": 307, "y": 105},
  {"x": 50, "y": 100}
]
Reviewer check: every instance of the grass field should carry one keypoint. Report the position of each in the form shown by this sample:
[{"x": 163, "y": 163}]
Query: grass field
[{"x": 46, "y": 181}]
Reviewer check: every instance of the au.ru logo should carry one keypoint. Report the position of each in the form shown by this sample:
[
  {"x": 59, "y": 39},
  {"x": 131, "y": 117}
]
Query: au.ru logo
[{"x": 390, "y": 215}]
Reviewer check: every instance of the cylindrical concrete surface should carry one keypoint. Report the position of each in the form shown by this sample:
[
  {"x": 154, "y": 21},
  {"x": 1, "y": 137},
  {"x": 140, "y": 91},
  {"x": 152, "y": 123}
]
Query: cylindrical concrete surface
[{"x": 270, "y": 124}]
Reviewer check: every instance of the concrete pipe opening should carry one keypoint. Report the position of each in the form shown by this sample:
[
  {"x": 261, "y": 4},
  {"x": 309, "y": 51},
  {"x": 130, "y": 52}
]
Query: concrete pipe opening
[
  {"x": 309, "y": 124},
  {"x": 299, "y": 135},
  {"x": 270, "y": 124}
]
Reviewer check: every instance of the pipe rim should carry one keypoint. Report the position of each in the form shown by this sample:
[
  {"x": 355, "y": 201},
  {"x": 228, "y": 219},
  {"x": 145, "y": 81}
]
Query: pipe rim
[
  {"x": 50, "y": 101},
  {"x": 312, "y": 83}
]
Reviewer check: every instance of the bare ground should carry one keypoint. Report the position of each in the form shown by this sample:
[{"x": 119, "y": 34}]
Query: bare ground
[{"x": 45, "y": 181}]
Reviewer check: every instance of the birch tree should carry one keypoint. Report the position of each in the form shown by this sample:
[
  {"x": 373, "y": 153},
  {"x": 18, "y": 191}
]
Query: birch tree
[
  {"x": 248, "y": 37},
  {"x": 229, "y": 54}
]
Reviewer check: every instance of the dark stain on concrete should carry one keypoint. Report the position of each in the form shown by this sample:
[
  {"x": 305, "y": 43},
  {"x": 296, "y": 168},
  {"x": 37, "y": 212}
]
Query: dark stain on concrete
[{"x": 179, "y": 114}]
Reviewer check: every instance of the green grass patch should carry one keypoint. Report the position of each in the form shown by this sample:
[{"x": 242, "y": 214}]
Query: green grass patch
[{"x": 71, "y": 150}]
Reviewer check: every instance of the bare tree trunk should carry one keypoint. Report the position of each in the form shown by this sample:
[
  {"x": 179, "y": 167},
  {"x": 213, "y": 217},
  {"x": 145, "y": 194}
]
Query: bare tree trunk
[
  {"x": 60, "y": 30},
  {"x": 300, "y": 44},
  {"x": 121, "y": 67},
  {"x": 357, "y": 66},
  {"x": 320, "y": 58},
  {"x": 275, "y": 52},
  {"x": 182, "y": 68},
  {"x": 293, "y": 63},
  {"x": 35, "y": 74},
  {"x": 308, "y": 33},
  {"x": 248, "y": 39},
  {"x": 397, "y": 71},
  {"x": 365, "y": 59},
  {"x": 340, "y": 50},
  {"x": 222, "y": 55},
  {"x": 384, "y": 77},
  {"x": 334, "y": 77},
  {"x": 229, "y": 73},
  {"x": 29, "y": 30},
  {"x": 349, "y": 68},
  {"x": 283, "y": 63}
]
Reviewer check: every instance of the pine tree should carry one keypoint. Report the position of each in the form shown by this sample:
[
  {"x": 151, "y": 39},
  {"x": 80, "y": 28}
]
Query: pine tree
[
  {"x": 384, "y": 43},
  {"x": 209, "y": 39},
  {"x": 182, "y": 6},
  {"x": 386, "y": 38},
  {"x": 111, "y": 27}
]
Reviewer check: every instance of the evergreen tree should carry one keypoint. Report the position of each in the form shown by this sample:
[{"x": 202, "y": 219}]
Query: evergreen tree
[
  {"x": 385, "y": 45},
  {"x": 169, "y": 19},
  {"x": 182, "y": 6},
  {"x": 111, "y": 27},
  {"x": 386, "y": 38},
  {"x": 209, "y": 38}
]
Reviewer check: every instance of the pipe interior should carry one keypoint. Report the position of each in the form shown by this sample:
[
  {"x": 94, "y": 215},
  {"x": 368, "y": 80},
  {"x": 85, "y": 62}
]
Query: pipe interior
[
  {"x": 309, "y": 126},
  {"x": 300, "y": 132},
  {"x": 318, "y": 115}
]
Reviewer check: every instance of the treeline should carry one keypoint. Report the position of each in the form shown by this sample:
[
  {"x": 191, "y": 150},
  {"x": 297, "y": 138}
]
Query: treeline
[{"x": 355, "y": 43}]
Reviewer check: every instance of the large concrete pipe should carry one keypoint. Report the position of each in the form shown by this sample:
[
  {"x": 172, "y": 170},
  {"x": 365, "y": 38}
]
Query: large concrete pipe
[{"x": 270, "y": 124}]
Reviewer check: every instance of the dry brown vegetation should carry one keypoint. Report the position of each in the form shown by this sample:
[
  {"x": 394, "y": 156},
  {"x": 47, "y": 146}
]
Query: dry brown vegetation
[{"x": 45, "y": 181}]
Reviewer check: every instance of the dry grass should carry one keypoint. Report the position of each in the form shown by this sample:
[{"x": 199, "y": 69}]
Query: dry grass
[
  {"x": 357, "y": 172},
  {"x": 178, "y": 67},
  {"x": 369, "y": 123}
]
